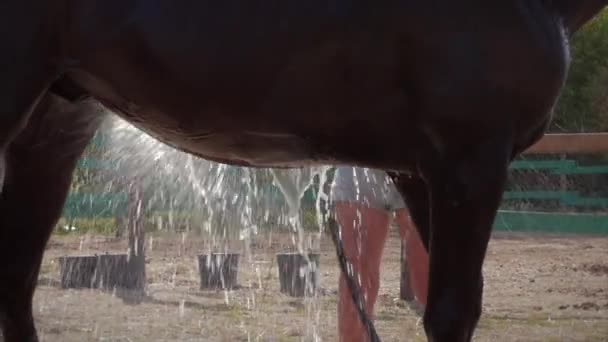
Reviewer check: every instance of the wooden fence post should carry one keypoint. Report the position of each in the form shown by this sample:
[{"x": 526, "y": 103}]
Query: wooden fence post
[{"x": 405, "y": 288}]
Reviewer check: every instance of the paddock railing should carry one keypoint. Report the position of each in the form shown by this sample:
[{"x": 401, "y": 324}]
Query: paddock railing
[{"x": 559, "y": 185}]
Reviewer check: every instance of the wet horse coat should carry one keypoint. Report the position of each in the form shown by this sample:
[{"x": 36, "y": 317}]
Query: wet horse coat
[{"x": 442, "y": 94}]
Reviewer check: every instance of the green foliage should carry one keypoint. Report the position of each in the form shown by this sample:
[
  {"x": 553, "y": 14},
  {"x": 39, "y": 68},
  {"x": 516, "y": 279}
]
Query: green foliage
[
  {"x": 598, "y": 92},
  {"x": 583, "y": 105},
  {"x": 309, "y": 220},
  {"x": 103, "y": 225},
  {"x": 92, "y": 170}
]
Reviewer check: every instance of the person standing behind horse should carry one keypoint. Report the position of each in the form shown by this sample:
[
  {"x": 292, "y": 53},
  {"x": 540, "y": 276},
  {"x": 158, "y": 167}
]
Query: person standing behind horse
[{"x": 364, "y": 200}]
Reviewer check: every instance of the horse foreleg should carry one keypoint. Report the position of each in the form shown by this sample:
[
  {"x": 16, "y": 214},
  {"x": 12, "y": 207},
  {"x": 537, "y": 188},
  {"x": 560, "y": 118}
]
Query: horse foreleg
[
  {"x": 465, "y": 191},
  {"x": 39, "y": 162}
]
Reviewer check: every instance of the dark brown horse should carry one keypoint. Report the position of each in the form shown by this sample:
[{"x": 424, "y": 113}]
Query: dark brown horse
[{"x": 442, "y": 94}]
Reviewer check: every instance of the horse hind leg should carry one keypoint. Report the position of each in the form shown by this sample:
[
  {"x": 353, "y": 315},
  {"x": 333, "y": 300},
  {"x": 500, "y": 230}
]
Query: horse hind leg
[
  {"x": 40, "y": 162},
  {"x": 29, "y": 38},
  {"x": 16, "y": 106},
  {"x": 415, "y": 193},
  {"x": 465, "y": 192}
]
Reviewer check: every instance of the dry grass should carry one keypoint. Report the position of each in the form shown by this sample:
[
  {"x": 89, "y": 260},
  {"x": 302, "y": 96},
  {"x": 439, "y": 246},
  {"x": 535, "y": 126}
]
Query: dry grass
[{"x": 538, "y": 288}]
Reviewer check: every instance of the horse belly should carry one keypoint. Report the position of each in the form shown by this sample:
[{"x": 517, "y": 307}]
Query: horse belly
[
  {"x": 281, "y": 99},
  {"x": 243, "y": 148}
]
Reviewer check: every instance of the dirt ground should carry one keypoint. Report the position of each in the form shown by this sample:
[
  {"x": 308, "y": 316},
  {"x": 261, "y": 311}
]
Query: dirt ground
[{"x": 538, "y": 288}]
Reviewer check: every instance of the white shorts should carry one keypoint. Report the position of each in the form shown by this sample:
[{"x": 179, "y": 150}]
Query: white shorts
[{"x": 371, "y": 187}]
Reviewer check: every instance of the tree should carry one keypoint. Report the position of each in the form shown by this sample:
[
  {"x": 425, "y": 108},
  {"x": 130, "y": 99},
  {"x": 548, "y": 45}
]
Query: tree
[{"x": 583, "y": 105}]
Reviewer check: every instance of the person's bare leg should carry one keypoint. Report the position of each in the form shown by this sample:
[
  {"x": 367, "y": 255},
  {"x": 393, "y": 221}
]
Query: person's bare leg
[
  {"x": 364, "y": 232},
  {"x": 415, "y": 254}
]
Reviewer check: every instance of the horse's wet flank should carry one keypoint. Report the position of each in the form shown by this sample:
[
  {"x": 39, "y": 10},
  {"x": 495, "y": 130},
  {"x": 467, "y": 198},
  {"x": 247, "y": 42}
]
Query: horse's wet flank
[{"x": 414, "y": 87}]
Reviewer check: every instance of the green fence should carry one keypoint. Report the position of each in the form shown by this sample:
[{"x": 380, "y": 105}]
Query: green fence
[
  {"x": 569, "y": 210},
  {"x": 549, "y": 222},
  {"x": 79, "y": 205}
]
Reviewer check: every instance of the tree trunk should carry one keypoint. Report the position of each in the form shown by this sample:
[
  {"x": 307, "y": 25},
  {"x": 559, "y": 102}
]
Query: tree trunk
[
  {"x": 136, "y": 261},
  {"x": 121, "y": 225}
]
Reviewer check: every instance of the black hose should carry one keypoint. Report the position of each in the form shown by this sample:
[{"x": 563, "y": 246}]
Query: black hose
[{"x": 355, "y": 291}]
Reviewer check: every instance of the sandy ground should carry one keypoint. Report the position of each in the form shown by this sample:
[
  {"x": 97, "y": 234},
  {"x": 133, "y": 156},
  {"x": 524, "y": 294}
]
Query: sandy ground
[{"x": 538, "y": 288}]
